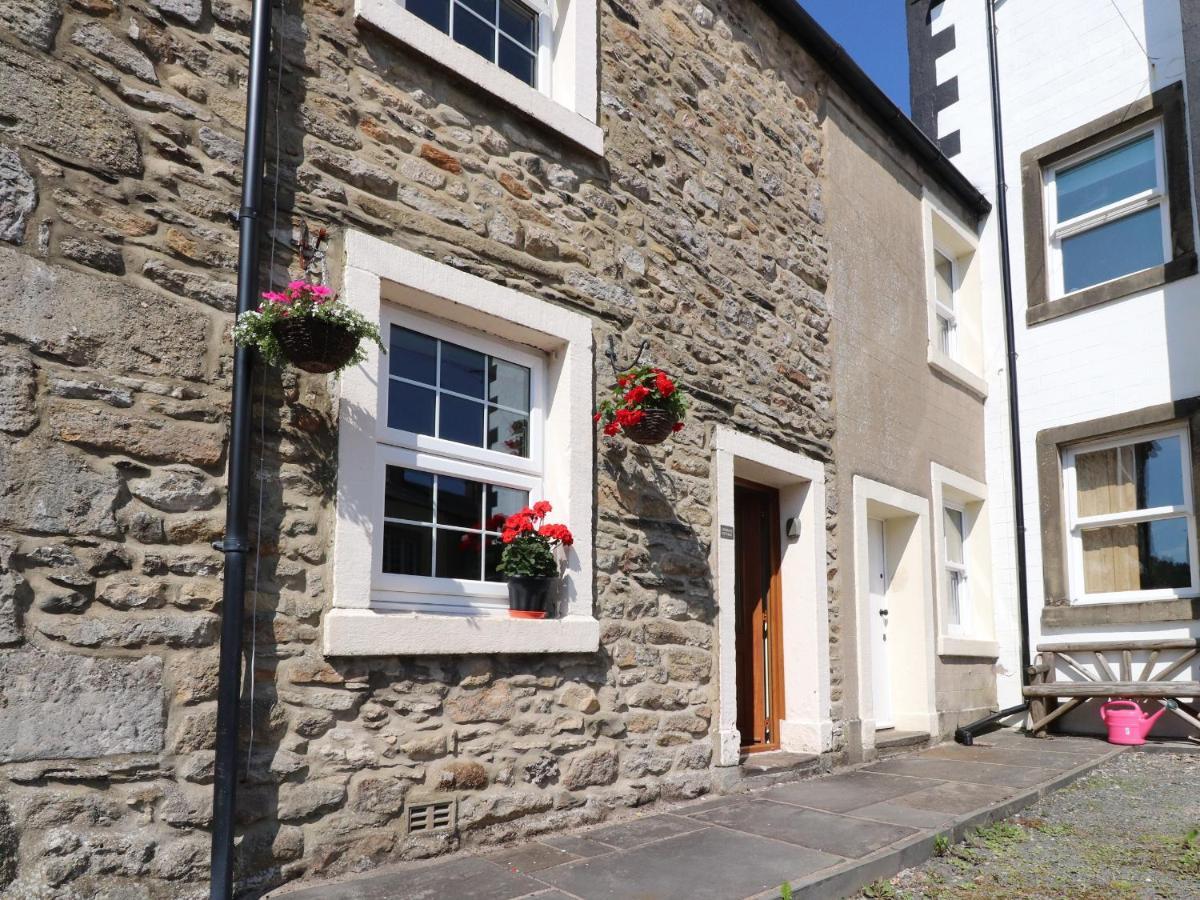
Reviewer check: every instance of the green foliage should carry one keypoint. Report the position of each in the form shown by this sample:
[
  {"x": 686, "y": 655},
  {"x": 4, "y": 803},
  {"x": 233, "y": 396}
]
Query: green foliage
[
  {"x": 999, "y": 836},
  {"x": 529, "y": 555},
  {"x": 880, "y": 890},
  {"x": 941, "y": 845},
  {"x": 256, "y": 328},
  {"x": 785, "y": 891}
]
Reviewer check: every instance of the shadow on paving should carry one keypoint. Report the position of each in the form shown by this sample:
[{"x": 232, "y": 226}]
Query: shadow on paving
[{"x": 825, "y": 837}]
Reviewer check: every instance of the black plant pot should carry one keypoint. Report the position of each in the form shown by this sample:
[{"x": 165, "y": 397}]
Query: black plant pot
[
  {"x": 315, "y": 345},
  {"x": 529, "y": 596}
]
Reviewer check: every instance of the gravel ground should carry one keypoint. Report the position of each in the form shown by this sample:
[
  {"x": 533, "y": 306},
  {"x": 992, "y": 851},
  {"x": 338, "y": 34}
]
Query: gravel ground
[{"x": 1131, "y": 829}]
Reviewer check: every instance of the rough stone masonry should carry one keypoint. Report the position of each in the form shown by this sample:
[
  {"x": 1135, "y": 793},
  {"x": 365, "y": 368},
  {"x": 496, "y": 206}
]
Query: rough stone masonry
[{"x": 701, "y": 230}]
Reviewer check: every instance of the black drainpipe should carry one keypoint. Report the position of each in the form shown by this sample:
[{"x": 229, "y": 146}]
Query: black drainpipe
[
  {"x": 966, "y": 734},
  {"x": 235, "y": 545}
]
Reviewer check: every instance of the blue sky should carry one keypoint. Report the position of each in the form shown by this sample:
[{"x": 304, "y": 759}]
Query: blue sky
[{"x": 872, "y": 31}]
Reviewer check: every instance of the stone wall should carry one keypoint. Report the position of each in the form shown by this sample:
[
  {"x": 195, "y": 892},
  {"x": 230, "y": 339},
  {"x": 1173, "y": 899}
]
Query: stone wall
[{"x": 120, "y": 143}]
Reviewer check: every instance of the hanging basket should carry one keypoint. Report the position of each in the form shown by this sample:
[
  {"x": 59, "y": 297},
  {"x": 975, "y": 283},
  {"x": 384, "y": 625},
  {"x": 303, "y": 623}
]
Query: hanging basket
[
  {"x": 654, "y": 428},
  {"x": 315, "y": 345}
]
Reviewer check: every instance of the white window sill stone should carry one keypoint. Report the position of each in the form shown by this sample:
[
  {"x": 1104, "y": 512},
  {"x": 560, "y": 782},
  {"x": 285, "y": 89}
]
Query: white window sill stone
[
  {"x": 366, "y": 632},
  {"x": 958, "y": 372},
  {"x": 959, "y": 646},
  {"x": 403, "y": 26}
]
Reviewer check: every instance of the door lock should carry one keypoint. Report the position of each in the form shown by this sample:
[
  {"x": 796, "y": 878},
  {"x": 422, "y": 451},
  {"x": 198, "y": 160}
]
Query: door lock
[{"x": 883, "y": 612}]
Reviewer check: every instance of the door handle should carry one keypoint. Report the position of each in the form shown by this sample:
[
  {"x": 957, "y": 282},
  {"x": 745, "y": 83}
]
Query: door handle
[{"x": 883, "y": 612}]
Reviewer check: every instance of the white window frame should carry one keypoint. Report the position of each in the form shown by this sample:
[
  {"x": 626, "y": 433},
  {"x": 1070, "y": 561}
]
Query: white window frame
[
  {"x": 1076, "y": 523},
  {"x": 566, "y": 96},
  {"x": 949, "y": 567},
  {"x": 1158, "y": 195},
  {"x": 974, "y": 635},
  {"x": 376, "y": 613},
  {"x": 941, "y": 311}
]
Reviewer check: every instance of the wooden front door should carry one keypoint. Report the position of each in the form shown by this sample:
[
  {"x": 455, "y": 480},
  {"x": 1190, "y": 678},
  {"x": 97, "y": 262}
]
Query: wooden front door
[{"x": 758, "y": 616}]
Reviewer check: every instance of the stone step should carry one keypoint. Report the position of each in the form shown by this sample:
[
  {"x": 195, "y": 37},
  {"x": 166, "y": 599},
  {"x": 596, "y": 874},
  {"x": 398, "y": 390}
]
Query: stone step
[
  {"x": 761, "y": 770},
  {"x": 892, "y": 742}
]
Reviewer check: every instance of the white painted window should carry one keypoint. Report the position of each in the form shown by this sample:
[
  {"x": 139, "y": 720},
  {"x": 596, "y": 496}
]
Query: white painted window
[
  {"x": 480, "y": 406},
  {"x": 954, "y": 550},
  {"x": 962, "y": 545},
  {"x": 1107, "y": 212},
  {"x": 1131, "y": 523},
  {"x": 460, "y": 450},
  {"x": 537, "y": 56},
  {"x": 505, "y": 32},
  {"x": 945, "y": 287},
  {"x": 954, "y": 297}
]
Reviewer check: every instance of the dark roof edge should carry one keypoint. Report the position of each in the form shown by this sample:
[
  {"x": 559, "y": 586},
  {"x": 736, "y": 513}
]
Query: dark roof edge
[{"x": 833, "y": 56}]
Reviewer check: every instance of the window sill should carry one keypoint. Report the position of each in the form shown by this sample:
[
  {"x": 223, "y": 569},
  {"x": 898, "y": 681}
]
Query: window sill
[
  {"x": 365, "y": 632},
  {"x": 958, "y": 646},
  {"x": 956, "y": 371},
  {"x": 1123, "y": 613},
  {"x": 1181, "y": 266},
  {"x": 401, "y": 25}
]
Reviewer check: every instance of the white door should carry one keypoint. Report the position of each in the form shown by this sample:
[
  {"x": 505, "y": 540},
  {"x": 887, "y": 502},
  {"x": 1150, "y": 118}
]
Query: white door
[{"x": 880, "y": 666}]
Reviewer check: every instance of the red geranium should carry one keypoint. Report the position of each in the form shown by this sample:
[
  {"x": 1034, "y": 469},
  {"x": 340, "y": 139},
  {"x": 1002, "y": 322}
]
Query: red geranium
[
  {"x": 530, "y": 541},
  {"x": 636, "y": 392}
]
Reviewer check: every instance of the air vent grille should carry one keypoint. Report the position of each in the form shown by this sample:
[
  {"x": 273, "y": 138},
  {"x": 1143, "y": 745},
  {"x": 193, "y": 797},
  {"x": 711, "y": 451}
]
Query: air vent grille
[{"x": 437, "y": 815}]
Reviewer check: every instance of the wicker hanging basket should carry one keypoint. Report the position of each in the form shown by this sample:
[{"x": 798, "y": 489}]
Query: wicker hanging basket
[
  {"x": 654, "y": 428},
  {"x": 315, "y": 345}
]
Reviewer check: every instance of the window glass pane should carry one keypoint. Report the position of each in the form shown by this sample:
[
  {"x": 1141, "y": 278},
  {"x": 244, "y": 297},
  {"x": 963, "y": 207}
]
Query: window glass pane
[
  {"x": 493, "y": 549},
  {"x": 459, "y": 502},
  {"x": 508, "y": 432},
  {"x": 1113, "y": 249},
  {"x": 410, "y": 407},
  {"x": 474, "y": 34},
  {"x": 408, "y": 495},
  {"x": 462, "y": 370},
  {"x": 943, "y": 270},
  {"x": 1107, "y": 178},
  {"x": 1143, "y": 475},
  {"x": 517, "y": 62},
  {"x": 945, "y": 335},
  {"x": 412, "y": 355},
  {"x": 501, "y": 503},
  {"x": 519, "y": 23},
  {"x": 435, "y": 12},
  {"x": 508, "y": 384},
  {"x": 954, "y": 535},
  {"x": 958, "y": 591},
  {"x": 459, "y": 554},
  {"x": 407, "y": 549},
  {"x": 1139, "y": 556},
  {"x": 485, "y": 8},
  {"x": 461, "y": 421}
]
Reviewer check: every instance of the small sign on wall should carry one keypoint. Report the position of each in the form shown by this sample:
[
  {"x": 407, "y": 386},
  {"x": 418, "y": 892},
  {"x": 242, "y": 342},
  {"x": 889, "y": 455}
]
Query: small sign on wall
[{"x": 727, "y": 532}]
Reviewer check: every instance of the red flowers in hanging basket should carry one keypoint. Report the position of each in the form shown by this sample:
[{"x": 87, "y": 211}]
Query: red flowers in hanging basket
[{"x": 646, "y": 405}]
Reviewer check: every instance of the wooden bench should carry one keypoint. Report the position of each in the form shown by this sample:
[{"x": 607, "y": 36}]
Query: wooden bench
[{"x": 1044, "y": 690}]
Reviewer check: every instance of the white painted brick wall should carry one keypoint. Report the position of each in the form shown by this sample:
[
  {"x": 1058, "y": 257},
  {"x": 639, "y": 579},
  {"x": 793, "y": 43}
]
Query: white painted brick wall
[{"x": 1062, "y": 64}]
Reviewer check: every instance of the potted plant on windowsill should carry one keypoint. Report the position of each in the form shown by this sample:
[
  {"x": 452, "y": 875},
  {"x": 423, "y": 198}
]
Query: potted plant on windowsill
[
  {"x": 645, "y": 404},
  {"x": 529, "y": 560},
  {"x": 306, "y": 325}
]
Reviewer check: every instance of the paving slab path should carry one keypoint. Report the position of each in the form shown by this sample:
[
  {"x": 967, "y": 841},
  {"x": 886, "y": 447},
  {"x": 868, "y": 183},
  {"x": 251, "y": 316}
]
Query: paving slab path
[{"x": 825, "y": 837}]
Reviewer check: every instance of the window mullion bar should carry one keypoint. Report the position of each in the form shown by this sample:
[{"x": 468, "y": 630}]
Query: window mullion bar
[
  {"x": 1132, "y": 517},
  {"x": 433, "y": 543}
]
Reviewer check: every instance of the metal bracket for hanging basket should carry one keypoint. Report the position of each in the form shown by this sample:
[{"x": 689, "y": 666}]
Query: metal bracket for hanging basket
[{"x": 611, "y": 354}]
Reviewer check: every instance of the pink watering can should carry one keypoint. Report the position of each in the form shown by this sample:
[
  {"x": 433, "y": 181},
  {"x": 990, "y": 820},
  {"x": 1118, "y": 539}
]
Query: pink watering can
[{"x": 1126, "y": 722}]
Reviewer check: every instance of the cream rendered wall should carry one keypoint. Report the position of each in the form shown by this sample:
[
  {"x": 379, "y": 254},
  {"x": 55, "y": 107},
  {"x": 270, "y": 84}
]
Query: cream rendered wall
[
  {"x": 1062, "y": 65},
  {"x": 895, "y": 413}
]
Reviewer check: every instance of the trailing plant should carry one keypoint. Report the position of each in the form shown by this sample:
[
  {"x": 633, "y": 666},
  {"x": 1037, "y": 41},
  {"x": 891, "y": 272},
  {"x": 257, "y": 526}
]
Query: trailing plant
[
  {"x": 529, "y": 543},
  {"x": 637, "y": 391},
  {"x": 300, "y": 300}
]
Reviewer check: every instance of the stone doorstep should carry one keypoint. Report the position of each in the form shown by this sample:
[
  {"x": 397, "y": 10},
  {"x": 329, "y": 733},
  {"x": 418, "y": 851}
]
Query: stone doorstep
[
  {"x": 530, "y": 869},
  {"x": 845, "y": 878}
]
